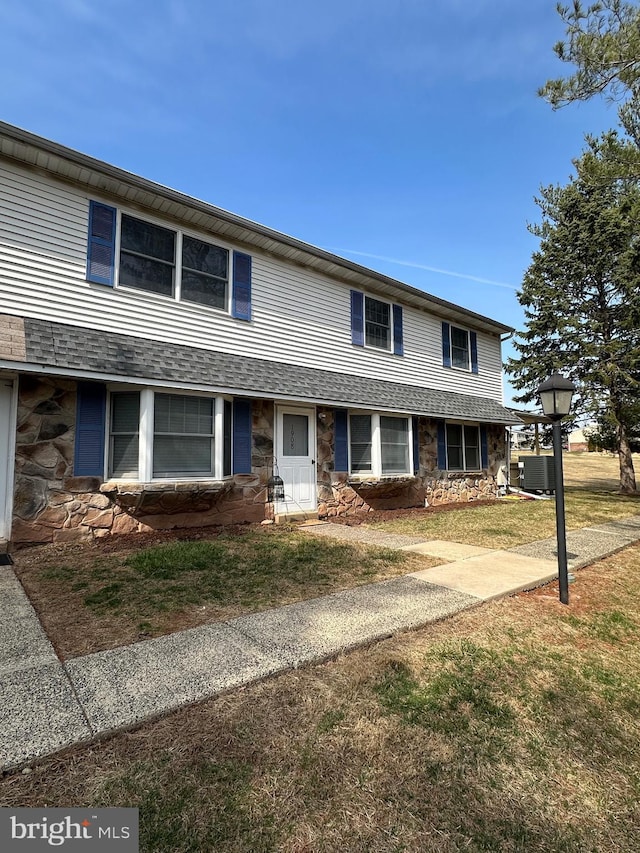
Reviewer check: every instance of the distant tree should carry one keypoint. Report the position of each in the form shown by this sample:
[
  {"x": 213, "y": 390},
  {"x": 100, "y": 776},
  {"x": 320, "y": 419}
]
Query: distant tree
[
  {"x": 605, "y": 437},
  {"x": 581, "y": 296}
]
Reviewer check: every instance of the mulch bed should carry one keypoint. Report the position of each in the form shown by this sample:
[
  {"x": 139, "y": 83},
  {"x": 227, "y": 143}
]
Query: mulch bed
[
  {"x": 376, "y": 515},
  {"x": 127, "y": 542}
]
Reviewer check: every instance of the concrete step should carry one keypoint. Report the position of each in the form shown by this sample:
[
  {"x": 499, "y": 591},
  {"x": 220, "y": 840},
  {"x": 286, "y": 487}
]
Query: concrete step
[{"x": 298, "y": 515}]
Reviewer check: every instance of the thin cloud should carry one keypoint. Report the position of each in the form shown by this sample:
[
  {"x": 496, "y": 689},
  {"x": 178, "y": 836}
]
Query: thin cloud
[{"x": 427, "y": 268}]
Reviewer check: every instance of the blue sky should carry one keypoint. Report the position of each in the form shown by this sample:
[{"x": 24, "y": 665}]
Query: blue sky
[{"x": 404, "y": 135}]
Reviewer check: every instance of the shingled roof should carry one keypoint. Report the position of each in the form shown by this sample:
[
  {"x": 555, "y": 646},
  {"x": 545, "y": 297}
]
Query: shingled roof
[{"x": 57, "y": 345}]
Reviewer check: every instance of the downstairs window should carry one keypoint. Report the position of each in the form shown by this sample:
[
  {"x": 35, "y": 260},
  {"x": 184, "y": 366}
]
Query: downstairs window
[
  {"x": 380, "y": 445},
  {"x": 160, "y": 435}
]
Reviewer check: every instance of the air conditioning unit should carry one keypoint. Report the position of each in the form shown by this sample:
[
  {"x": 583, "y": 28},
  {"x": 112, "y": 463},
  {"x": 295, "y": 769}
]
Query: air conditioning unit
[{"x": 538, "y": 474}]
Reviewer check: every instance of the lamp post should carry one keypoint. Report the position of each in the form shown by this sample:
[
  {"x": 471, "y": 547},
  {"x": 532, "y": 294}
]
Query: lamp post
[{"x": 555, "y": 396}]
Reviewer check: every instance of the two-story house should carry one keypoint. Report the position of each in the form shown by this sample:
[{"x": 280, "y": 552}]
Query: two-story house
[{"x": 162, "y": 360}]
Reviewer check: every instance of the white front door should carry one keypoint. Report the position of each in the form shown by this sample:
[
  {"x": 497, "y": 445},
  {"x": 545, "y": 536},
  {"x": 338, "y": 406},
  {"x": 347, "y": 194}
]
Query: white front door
[
  {"x": 296, "y": 458},
  {"x": 6, "y": 463}
]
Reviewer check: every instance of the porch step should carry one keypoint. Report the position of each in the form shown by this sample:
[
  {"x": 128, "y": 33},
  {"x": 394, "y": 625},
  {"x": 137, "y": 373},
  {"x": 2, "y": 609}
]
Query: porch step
[{"x": 299, "y": 515}]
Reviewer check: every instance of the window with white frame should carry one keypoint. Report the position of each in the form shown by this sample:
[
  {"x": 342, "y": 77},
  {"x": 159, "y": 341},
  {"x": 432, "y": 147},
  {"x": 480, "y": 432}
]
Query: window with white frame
[
  {"x": 170, "y": 263},
  {"x": 380, "y": 445},
  {"x": 147, "y": 256},
  {"x": 377, "y": 323},
  {"x": 460, "y": 350},
  {"x": 183, "y": 436},
  {"x": 154, "y": 434},
  {"x": 394, "y": 445},
  {"x": 360, "y": 443},
  {"x": 124, "y": 438},
  {"x": 205, "y": 273},
  {"x": 463, "y": 447}
]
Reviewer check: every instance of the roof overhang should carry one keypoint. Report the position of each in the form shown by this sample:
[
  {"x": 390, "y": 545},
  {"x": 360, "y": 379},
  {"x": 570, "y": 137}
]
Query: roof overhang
[
  {"x": 84, "y": 353},
  {"x": 529, "y": 418},
  {"x": 110, "y": 182}
]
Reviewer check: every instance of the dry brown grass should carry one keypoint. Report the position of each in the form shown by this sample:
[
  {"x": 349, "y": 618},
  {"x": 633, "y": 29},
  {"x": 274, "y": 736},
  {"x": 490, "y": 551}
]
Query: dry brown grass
[
  {"x": 60, "y": 580},
  {"x": 510, "y": 727},
  {"x": 591, "y": 498},
  {"x": 598, "y": 472},
  {"x": 88, "y": 597}
]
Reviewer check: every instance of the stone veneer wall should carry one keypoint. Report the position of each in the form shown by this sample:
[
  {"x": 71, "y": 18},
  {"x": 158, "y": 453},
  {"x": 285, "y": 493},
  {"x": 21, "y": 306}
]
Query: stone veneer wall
[
  {"x": 51, "y": 505},
  {"x": 338, "y": 494}
]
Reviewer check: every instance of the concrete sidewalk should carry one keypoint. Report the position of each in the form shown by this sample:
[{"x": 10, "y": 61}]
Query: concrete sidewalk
[{"x": 47, "y": 705}]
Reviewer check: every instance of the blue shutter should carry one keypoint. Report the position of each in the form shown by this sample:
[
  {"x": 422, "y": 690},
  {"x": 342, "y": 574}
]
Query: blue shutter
[
  {"x": 357, "y": 318},
  {"x": 398, "y": 336},
  {"x": 90, "y": 430},
  {"x": 241, "y": 436},
  {"x": 484, "y": 448},
  {"x": 473, "y": 340},
  {"x": 415, "y": 428},
  {"x": 241, "y": 301},
  {"x": 442, "y": 447},
  {"x": 101, "y": 245},
  {"x": 340, "y": 440},
  {"x": 446, "y": 346}
]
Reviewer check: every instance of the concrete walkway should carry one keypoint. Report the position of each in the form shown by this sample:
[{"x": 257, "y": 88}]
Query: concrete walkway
[{"x": 47, "y": 705}]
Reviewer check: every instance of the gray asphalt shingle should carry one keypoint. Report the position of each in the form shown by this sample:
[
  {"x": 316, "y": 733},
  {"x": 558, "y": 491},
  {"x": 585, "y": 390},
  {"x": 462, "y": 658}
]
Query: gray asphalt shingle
[{"x": 71, "y": 347}]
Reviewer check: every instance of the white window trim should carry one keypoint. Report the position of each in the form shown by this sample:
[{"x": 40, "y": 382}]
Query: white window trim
[
  {"x": 466, "y": 369},
  {"x": 465, "y": 467},
  {"x": 218, "y": 433},
  {"x": 376, "y": 446},
  {"x": 146, "y": 436},
  {"x": 177, "y": 266},
  {"x": 364, "y": 323}
]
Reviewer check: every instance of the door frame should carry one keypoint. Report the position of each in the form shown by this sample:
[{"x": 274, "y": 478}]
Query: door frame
[
  {"x": 297, "y": 409},
  {"x": 6, "y": 512}
]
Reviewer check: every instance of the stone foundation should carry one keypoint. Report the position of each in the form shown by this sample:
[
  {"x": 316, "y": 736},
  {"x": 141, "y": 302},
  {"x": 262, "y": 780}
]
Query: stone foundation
[
  {"x": 339, "y": 494},
  {"x": 463, "y": 488},
  {"x": 51, "y": 505}
]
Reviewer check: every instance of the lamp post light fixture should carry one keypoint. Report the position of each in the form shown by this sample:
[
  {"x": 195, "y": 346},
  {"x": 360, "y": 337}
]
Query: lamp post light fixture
[{"x": 555, "y": 396}]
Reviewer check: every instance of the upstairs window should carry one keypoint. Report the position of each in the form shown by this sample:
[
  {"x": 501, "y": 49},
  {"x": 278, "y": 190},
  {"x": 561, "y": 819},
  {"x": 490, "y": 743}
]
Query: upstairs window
[
  {"x": 147, "y": 261},
  {"x": 205, "y": 273},
  {"x": 166, "y": 262},
  {"x": 459, "y": 348},
  {"x": 147, "y": 256},
  {"x": 377, "y": 323}
]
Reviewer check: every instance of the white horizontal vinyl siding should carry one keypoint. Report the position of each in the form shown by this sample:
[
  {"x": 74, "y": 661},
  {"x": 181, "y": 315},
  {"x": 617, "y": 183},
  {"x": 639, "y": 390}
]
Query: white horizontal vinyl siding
[{"x": 298, "y": 316}]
